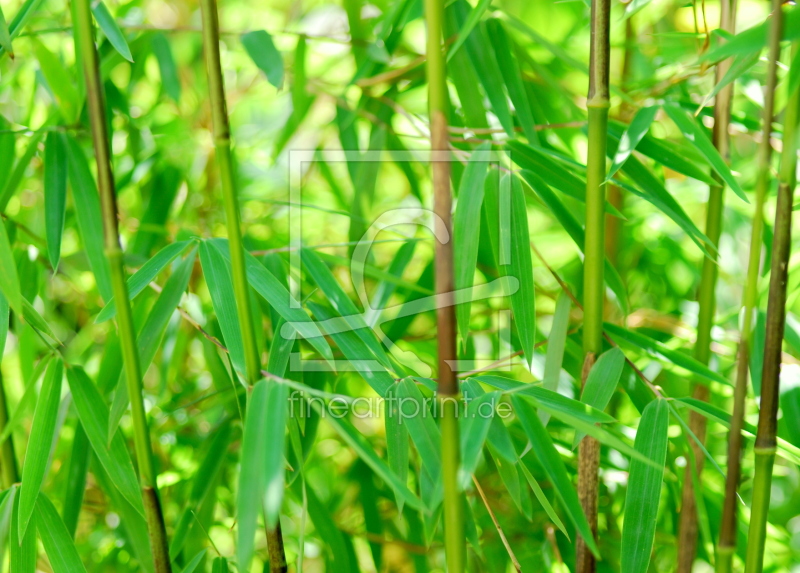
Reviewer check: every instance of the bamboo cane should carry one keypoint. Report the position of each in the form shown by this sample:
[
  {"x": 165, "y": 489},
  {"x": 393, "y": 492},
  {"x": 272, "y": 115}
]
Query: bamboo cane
[
  {"x": 448, "y": 391},
  {"x": 594, "y": 251},
  {"x": 688, "y": 530},
  {"x": 222, "y": 148},
  {"x": 765, "y": 444},
  {"x": 113, "y": 252},
  {"x": 727, "y": 535}
]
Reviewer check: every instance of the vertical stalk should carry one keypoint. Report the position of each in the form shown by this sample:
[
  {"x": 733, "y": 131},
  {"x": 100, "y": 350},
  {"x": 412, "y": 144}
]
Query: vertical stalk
[
  {"x": 727, "y": 535},
  {"x": 688, "y": 530},
  {"x": 776, "y": 318},
  {"x": 448, "y": 391},
  {"x": 113, "y": 253},
  {"x": 8, "y": 459},
  {"x": 594, "y": 261},
  {"x": 222, "y": 148}
]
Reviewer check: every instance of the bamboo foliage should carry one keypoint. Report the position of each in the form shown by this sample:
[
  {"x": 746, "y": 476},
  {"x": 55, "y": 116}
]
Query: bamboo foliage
[{"x": 322, "y": 374}]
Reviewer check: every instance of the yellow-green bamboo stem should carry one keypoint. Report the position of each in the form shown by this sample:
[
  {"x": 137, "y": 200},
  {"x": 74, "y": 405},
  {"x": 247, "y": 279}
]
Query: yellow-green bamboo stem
[
  {"x": 448, "y": 391},
  {"x": 766, "y": 442},
  {"x": 222, "y": 148},
  {"x": 127, "y": 333},
  {"x": 688, "y": 530},
  {"x": 594, "y": 257}
]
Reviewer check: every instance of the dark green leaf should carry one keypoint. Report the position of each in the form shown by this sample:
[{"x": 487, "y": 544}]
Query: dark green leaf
[
  {"x": 9, "y": 278},
  {"x": 57, "y": 542},
  {"x": 109, "y": 27},
  {"x": 55, "y": 192},
  {"x": 639, "y": 126},
  {"x": 474, "y": 429},
  {"x": 262, "y": 51},
  {"x": 170, "y": 79}
]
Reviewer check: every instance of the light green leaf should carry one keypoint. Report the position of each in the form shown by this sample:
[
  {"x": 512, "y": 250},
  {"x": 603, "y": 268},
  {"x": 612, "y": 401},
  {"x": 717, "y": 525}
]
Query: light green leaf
[
  {"x": 220, "y": 565},
  {"x": 698, "y": 138},
  {"x": 192, "y": 565},
  {"x": 422, "y": 427},
  {"x": 9, "y": 278},
  {"x": 537, "y": 490},
  {"x": 262, "y": 51},
  {"x": 55, "y": 192},
  {"x": 276, "y": 413},
  {"x": 644, "y": 489},
  {"x": 60, "y": 82},
  {"x": 474, "y": 428},
  {"x": 109, "y": 27},
  {"x": 634, "y": 133},
  {"x": 554, "y": 467},
  {"x": 5, "y": 35},
  {"x": 21, "y": 19},
  {"x": 139, "y": 280},
  {"x": 87, "y": 212},
  {"x": 556, "y": 342},
  {"x": 755, "y": 39},
  {"x": 115, "y": 459},
  {"x": 602, "y": 382},
  {"x": 22, "y": 550},
  {"x": 170, "y": 80},
  {"x": 466, "y": 230},
  {"x": 396, "y": 440},
  {"x": 466, "y": 28},
  {"x": 660, "y": 350},
  {"x": 40, "y": 443},
  {"x": 13, "y": 180},
  {"x": 57, "y": 542}
]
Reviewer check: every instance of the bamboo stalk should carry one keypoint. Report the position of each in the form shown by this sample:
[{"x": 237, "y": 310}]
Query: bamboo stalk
[
  {"x": 594, "y": 261},
  {"x": 113, "y": 252},
  {"x": 222, "y": 148},
  {"x": 688, "y": 529},
  {"x": 448, "y": 391},
  {"x": 727, "y": 537},
  {"x": 766, "y": 443}
]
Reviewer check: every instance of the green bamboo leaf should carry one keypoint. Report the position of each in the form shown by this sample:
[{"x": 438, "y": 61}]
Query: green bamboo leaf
[
  {"x": 466, "y": 28},
  {"x": 60, "y": 82},
  {"x": 170, "y": 80},
  {"x": 203, "y": 483},
  {"x": 139, "y": 280},
  {"x": 87, "y": 212},
  {"x": 396, "y": 441},
  {"x": 76, "y": 478},
  {"x": 556, "y": 174},
  {"x": 262, "y": 51},
  {"x": 698, "y": 138},
  {"x": 112, "y": 32},
  {"x": 149, "y": 337},
  {"x": 15, "y": 178},
  {"x": 554, "y": 467},
  {"x": 9, "y": 278},
  {"x": 115, "y": 459},
  {"x": 386, "y": 289},
  {"x": 35, "y": 320},
  {"x": 575, "y": 231},
  {"x": 553, "y": 401},
  {"x": 512, "y": 75},
  {"x": 276, "y": 414},
  {"x": 644, "y": 489},
  {"x": 537, "y": 491},
  {"x": 269, "y": 287},
  {"x": 5, "y": 35},
  {"x": 220, "y": 565},
  {"x": 677, "y": 157},
  {"x": 21, "y": 19},
  {"x": 521, "y": 267},
  {"x": 57, "y": 542},
  {"x": 28, "y": 397},
  {"x": 422, "y": 427},
  {"x": 325, "y": 280},
  {"x": 55, "y": 192},
  {"x": 660, "y": 350},
  {"x": 498, "y": 438},
  {"x": 340, "y": 546},
  {"x": 365, "y": 451},
  {"x": 473, "y": 431},
  {"x": 40, "y": 443},
  {"x": 602, "y": 382},
  {"x": 193, "y": 564},
  {"x": 4, "y": 316},
  {"x": 740, "y": 65},
  {"x": 556, "y": 341},
  {"x": 639, "y": 126},
  {"x": 217, "y": 274},
  {"x": 466, "y": 230},
  {"x": 755, "y": 39},
  {"x": 22, "y": 549}
]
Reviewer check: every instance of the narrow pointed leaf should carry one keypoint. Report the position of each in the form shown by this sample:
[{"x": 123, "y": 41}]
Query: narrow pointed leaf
[
  {"x": 9, "y": 278},
  {"x": 644, "y": 489},
  {"x": 556, "y": 342},
  {"x": 466, "y": 230},
  {"x": 5, "y": 35},
  {"x": 466, "y": 28},
  {"x": 166, "y": 64},
  {"x": 40, "y": 443},
  {"x": 697, "y": 137},
  {"x": 22, "y": 550},
  {"x": 262, "y": 51},
  {"x": 112, "y": 32},
  {"x": 554, "y": 467},
  {"x": 57, "y": 542},
  {"x": 60, "y": 82},
  {"x": 55, "y": 192},
  {"x": 474, "y": 430},
  {"x": 637, "y": 129},
  {"x": 602, "y": 382},
  {"x": 537, "y": 491}
]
